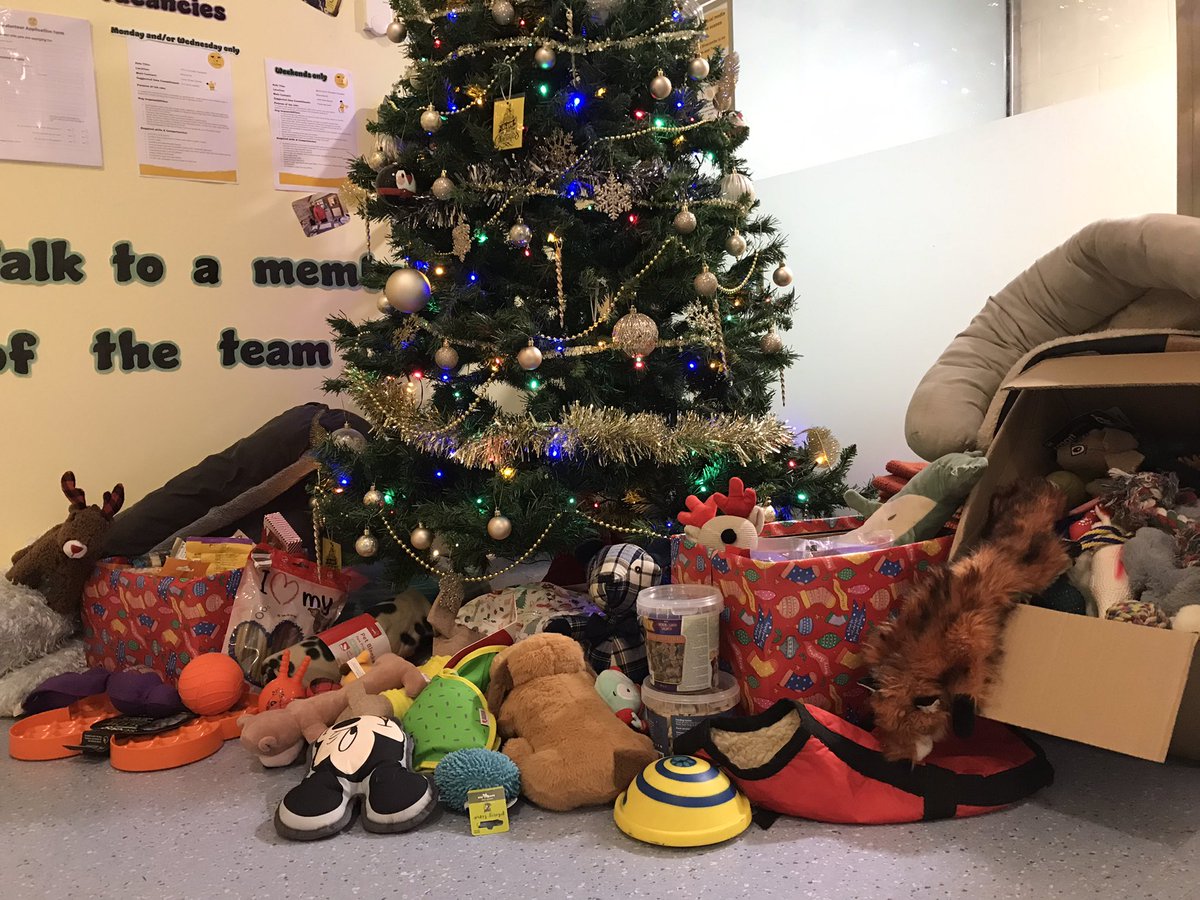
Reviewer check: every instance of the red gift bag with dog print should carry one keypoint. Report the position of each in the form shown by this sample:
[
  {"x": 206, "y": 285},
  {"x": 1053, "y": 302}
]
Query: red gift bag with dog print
[{"x": 794, "y": 630}]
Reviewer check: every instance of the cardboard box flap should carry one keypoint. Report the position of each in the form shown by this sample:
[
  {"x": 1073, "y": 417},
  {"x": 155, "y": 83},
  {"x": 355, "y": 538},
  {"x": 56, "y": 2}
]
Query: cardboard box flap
[
  {"x": 1105, "y": 371},
  {"x": 1109, "y": 684}
]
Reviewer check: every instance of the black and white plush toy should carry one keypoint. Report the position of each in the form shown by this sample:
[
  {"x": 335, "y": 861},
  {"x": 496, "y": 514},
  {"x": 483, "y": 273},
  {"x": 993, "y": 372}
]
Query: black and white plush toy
[
  {"x": 614, "y": 636},
  {"x": 363, "y": 756}
]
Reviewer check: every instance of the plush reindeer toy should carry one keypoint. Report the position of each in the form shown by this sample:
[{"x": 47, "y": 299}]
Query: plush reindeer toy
[{"x": 58, "y": 563}]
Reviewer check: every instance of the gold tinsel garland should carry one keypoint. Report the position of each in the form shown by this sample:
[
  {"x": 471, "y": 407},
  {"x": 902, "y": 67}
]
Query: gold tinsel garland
[{"x": 601, "y": 434}]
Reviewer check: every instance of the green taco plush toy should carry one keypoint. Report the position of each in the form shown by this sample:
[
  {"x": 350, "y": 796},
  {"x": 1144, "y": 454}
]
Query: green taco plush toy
[{"x": 923, "y": 506}]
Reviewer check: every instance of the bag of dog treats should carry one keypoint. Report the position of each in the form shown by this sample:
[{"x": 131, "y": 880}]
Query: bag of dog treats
[{"x": 281, "y": 600}]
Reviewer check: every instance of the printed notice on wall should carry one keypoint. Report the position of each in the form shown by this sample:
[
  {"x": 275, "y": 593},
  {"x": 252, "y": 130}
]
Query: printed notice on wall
[
  {"x": 183, "y": 111},
  {"x": 48, "y": 109},
  {"x": 313, "y": 133}
]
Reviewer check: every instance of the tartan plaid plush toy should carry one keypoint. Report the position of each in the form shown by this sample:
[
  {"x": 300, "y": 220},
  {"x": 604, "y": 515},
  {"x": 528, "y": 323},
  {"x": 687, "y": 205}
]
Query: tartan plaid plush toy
[{"x": 613, "y": 636}]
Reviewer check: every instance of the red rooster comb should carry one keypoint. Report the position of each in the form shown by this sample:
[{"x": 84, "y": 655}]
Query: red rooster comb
[
  {"x": 699, "y": 512},
  {"x": 739, "y": 502}
]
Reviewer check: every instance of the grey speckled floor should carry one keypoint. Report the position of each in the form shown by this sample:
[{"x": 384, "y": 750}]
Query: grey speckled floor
[{"x": 1110, "y": 827}]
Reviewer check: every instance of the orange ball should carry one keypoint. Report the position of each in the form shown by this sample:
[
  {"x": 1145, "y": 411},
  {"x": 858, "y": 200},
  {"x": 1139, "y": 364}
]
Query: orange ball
[{"x": 211, "y": 684}]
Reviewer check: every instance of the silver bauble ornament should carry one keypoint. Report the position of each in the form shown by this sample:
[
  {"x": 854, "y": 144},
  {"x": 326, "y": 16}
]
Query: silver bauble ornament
[
  {"x": 366, "y": 546},
  {"x": 347, "y": 438},
  {"x": 421, "y": 538},
  {"x": 502, "y": 12},
  {"x": 735, "y": 243},
  {"x": 407, "y": 290},
  {"x": 771, "y": 342},
  {"x": 442, "y": 187},
  {"x": 544, "y": 57},
  {"x": 499, "y": 527},
  {"x": 446, "y": 356},
  {"x": 520, "y": 235},
  {"x": 737, "y": 188},
  {"x": 529, "y": 358},
  {"x": 706, "y": 283},
  {"x": 377, "y": 160},
  {"x": 660, "y": 86},
  {"x": 635, "y": 333},
  {"x": 372, "y": 497},
  {"x": 383, "y": 305},
  {"x": 397, "y": 31},
  {"x": 685, "y": 220},
  {"x": 431, "y": 119},
  {"x": 782, "y": 276},
  {"x": 698, "y": 68}
]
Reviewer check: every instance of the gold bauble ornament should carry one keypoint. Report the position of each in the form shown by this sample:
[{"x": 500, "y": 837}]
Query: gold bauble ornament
[
  {"x": 735, "y": 244},
  {"x": 442, "y": 187},
  {"x": 635, "y": 333},
  {"x": 366, "y": 546},
  {"x": 407, "y": 290},
  {"x": 685, "y": 220},
  {"x": 660, "y": 86},
  {"x": 544, "y": 57},
  {"x": 382, "y": 304},
  {"x": 431, "y": 119},
  {"x": 397, "y": 31},
  {"x": 499, "y": 527},
  {"x": 446, "y": 356},
  {"x": 529, "y": 357},
  {"x": 706, "y": 284},
  {"x": 771, "y": 342},
  {"x": 698, "y": 68},
  {"x": 372, "y": 497},
  {"x": 502, "y": 12},
  {"x": 421, "y": 538},
  {"x": 782, "y": 276},
  {"x": 377, "y": 160}
]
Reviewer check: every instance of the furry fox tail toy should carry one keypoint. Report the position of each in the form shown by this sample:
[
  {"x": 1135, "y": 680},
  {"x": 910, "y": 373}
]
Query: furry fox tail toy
[{"x": 935, "y": 663}]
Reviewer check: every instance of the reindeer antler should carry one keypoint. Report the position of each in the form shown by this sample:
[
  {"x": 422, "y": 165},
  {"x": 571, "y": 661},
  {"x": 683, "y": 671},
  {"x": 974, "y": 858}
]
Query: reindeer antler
[
  {"x": 113, "y": 501},
  {"x": 740, "y": 501},
  {"x": 699, "y": 512},
  {"x": 74, "y": 494}
]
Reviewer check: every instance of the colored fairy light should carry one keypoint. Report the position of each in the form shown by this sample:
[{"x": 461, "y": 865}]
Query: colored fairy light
[
  {"x": 543, "y": 89},
  {"x": 559, "y": 348},
  {"x": 479, "y": 501},
  {"x": 344, "y": 480},
  {"x": 439, "y": 270},
  {"x": 473, "y": 277},
  {"x": 660, "y": 122},
  {"x": 438, "y": 473},
  {"x": 445, "y": 376},
  {"x": 639, "y": 363},
  {"x": 574, "y": 101},
  {"x": 692, "y": 364},
  {"x": 534, "y": 384},
  {"x": 639, "y": 114},
  {"x": 555, "y": 453},
  {"x": 527, "y": 252},
  {"x": 679, "y": 104},
  {"x": 600, "y": 92},
  {"x": 452, "y": 16},
  {"x": 389, "y": 498},
  {"x": 571, "y": 500},
  {"x": 417, "y": 375},
  {"x": 802, "y": 497},
  {"x": 791, "y": 464},
  {"x": 633, "y": 218},
  {"x": 480, "y": 237}
]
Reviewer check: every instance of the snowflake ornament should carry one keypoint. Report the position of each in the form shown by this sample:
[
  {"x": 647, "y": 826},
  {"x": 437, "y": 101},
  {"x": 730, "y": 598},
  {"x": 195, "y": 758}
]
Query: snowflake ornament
[{"x": 613, "y": 197}]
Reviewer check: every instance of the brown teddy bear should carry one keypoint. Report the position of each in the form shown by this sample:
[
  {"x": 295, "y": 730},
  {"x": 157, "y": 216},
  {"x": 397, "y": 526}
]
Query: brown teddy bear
[{"x": 571, "y": 750}]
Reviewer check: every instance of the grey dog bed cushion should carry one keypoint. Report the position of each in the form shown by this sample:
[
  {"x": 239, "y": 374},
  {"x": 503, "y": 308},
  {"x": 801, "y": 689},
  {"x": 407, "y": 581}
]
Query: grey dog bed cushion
[{"x": 261, "y": 473}]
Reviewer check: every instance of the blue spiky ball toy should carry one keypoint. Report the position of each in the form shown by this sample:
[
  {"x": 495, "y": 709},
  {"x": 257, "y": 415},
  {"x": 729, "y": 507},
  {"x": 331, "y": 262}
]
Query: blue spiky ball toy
[{"x": 468, "y": 770}]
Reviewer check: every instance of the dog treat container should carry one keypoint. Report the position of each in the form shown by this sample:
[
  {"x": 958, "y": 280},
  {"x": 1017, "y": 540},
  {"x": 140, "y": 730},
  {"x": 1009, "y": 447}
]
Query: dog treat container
[
  {"x": 671, "y": 715},
  {"x": 682, "y": 625}
]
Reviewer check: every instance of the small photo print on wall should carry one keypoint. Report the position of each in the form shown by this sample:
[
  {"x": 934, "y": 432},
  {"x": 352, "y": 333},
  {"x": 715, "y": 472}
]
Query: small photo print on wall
[
  {"x": 319, "y": 213},
  {"x": 329, "y": 7}
]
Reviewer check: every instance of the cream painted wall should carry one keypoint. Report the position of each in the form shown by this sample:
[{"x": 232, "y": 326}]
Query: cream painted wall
[
  {"x": 141, "y": 428},
  {"x": 895, "y": 251}
]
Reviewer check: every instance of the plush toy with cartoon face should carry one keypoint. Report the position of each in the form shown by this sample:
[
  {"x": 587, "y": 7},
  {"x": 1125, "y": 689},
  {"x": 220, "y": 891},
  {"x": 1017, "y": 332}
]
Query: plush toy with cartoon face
[{"x": 623, "y": 697}]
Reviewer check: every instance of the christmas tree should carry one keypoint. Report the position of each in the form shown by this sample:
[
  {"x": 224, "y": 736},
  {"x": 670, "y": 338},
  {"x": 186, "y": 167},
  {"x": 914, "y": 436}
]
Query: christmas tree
[{"x": 580, "y": 303}]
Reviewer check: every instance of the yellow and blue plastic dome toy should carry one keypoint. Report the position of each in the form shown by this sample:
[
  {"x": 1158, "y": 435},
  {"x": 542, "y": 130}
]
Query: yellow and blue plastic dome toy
[{"x": 682, "y": 801}]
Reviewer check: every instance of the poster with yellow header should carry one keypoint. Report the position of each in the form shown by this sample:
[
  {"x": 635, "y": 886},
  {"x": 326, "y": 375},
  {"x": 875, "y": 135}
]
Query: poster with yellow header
[
  {"x": 183, "y": 110},
  {"x": 313, "y": 128}
]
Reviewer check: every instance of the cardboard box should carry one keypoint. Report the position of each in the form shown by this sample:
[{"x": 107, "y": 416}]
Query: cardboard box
[{"x": 1128, "y": 688}]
